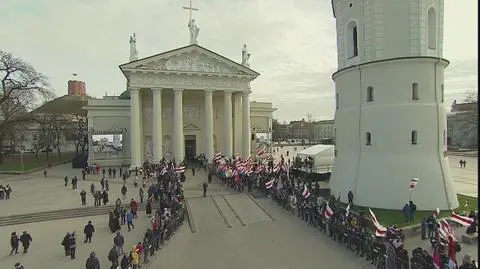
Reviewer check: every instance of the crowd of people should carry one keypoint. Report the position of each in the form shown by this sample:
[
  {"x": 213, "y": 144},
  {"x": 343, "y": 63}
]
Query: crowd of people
[{"x": 384, "y": 247}]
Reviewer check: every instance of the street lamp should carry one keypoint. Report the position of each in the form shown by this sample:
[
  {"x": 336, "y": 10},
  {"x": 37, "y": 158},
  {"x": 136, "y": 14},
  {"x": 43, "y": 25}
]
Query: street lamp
[{"x": 21, "y": 160}]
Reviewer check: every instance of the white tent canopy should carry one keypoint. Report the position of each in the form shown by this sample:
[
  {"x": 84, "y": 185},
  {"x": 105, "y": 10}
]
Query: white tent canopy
[{"x": 322, "y": 155}]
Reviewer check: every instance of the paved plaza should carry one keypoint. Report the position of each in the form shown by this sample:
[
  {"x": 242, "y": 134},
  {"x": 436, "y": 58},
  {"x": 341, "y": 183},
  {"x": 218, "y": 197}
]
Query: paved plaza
[{"x": 231, "y": 230}]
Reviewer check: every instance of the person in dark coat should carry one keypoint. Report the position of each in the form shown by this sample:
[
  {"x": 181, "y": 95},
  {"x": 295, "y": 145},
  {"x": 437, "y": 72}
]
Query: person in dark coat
[
  {"x": 88, "y": 230},
  {"x": 148, "y": 207},
  {"x": 125, "y": 262},
  {"x": 92, "y": 262},
  {"x": 205, "y": 186},
  {"x": 72, "y": 245},
  {"x": 113, "y": 257},
  {"x": 111, "y": 222},
  {"x": 25, "y": 238},
  {"x": 19, "y": 266},
  {"x": 350, "y": 197},
  {"x": 14, "y": 243},
  {"x": 105, "y": 197},
  {"x": 65, "y": 244}
]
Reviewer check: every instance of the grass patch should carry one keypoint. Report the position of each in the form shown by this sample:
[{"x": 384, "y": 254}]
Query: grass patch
[
  {"x": 387, "y": 216},
  {"x": 30, "y": 161}
]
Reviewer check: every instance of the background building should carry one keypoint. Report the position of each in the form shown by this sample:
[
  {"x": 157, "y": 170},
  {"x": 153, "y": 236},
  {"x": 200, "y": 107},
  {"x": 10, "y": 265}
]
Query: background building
[
  {"x": 76, "y": 87},
  {"x": 462, "y": 124},
  {"x": 324, "y": 131}
]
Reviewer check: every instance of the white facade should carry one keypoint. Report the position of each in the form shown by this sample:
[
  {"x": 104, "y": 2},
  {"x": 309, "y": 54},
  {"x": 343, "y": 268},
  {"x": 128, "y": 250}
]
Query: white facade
[
  {"x": 390, "y": 119},
  {"x": 324, "y": 129},
  {"x": 188, "y": 100}
]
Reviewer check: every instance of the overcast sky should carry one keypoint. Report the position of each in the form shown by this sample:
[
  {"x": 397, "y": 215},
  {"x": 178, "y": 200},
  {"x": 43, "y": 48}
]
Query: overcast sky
[{"x": 292, "y": 42}]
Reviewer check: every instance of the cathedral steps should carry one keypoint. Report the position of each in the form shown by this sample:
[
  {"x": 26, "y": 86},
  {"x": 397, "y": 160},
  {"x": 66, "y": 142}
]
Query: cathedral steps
[{"x": 63, "y": 214}]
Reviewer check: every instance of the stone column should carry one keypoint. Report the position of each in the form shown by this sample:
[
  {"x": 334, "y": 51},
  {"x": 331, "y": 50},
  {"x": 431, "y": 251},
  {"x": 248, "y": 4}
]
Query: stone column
[
  {"x": 135, "y": 130},
  {"x": 157, "y": 125},
  {"x": 178, "y": 138},
  {"x": 237, "y": 129},
  {"x": 209, "y": 150},
  {"x": 246, "y": 124},
  {"x": 228, "y": 128}
]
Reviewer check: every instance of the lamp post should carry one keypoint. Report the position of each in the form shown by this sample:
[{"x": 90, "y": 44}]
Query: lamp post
[{"x": 21, "y": 160}]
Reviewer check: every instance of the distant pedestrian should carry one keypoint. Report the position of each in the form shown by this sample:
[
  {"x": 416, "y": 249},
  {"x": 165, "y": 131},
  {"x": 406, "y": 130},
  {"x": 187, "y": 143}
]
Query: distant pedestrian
[
  {"x": 350, "y": 197},
  {"x": 14, "y": 243},
  {"x": 66, "y": 181},
  {"x": 92, "y": 262},
  {"x": 113, "y": 256},
  {"x": 83, "y": 196},
  {"x": 124, "y": 192},
  {"x": 205, "y": 186},
  {"x": 25, "y": 238},
  {"x": 130, "y": 220},
  {"x": 65, "y": 245},
  {"x": 72, "y": 245},
  {"x": 45, "y": 172},
  {"x": 19, "y": 266},
  {"x": 88, "y": 230},
  {"x": 119, "y": 241}
]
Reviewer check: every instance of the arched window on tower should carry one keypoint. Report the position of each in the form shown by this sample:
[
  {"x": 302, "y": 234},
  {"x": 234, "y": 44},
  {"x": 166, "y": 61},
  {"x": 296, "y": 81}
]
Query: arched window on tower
[
  {"x": 432, "y": 28},
  {"x": 336, "y": 101},
  {"x": 370, "y": 94},
  {"x": 352, "y": 40},
  {"x": 414, "y": 137},
  {"x": 368, "y": 137},
  {"x": 415, "y": 91}
]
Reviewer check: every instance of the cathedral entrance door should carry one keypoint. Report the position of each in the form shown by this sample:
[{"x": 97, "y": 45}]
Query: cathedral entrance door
[{"x": 190, "y": 148}]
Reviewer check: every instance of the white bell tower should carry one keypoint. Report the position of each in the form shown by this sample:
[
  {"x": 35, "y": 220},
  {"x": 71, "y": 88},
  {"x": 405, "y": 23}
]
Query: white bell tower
[{"x": 390, "y": 117}]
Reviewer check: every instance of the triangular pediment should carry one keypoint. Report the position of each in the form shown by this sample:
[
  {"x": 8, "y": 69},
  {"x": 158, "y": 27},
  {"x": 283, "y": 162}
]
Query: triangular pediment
[
  {"x": 190, "y": 126},
  {"x": 190, "y": 59}
]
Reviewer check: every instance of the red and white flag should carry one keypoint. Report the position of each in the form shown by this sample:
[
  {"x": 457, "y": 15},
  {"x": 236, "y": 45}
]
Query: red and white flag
[
  {"x": 306, "y": 193},
  {"x": 328, "y": 212},
  {"x": 261, "y": 151},
  {"x": 180, "y": 169},
  {"x": 347, "y": 210},
  {"x": 437, "y": 262},
  {"x": 413, "y": 182},
  {"x": 465, "y": 221},
  {"x": 380, "y": 231},
  {"x": 269, "y": 184},
  {"x": 445, "y": 230}
]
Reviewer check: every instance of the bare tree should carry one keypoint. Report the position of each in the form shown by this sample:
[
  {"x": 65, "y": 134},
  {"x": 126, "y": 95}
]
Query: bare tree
[
  {"x": 22, "y": 89},
  {"x": 79, "y": 134},
  {"x": 471, "y": 96}
]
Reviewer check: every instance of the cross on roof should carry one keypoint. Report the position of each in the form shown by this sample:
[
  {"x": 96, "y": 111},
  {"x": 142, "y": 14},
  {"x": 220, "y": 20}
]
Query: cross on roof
[{"x": 190, "y": 9}]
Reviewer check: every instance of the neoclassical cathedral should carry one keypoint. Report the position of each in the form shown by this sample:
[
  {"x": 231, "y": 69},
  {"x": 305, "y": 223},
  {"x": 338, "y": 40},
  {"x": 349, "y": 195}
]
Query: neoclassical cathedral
[{"x": 179, "y": 104}]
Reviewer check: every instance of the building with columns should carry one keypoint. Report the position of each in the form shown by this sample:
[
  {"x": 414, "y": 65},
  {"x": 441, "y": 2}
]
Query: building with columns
[{"x": 179, "y": 103}]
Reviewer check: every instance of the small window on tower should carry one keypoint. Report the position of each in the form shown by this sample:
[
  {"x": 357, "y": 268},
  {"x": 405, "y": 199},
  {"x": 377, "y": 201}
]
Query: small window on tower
[
  {"x": 370, "y": 94},
  {"x": 432, "y": 28},
  {"x": 368, "y": 137},
  {"x": 442, "y": 88},
  {"x": 415, "y": 91},
  {"x": 414, "y": 137},
  {"x": 351, "y": 40},
  {"x": 336, "y": 101}
]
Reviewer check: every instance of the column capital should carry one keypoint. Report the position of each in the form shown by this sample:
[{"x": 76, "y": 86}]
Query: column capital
[
  {"x": 228, "y": 91},
  {"x": 177, "y": 90},
  {"x": 208, "y": 90},
  {"x": 246, "y": 93},
  {"x": 134, "y": 89},
  {"x": 157, "y": 89}
]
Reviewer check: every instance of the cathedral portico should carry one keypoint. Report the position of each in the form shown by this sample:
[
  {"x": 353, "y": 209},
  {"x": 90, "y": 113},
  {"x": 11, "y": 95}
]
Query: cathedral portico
[{"x": 185, "y": 102}]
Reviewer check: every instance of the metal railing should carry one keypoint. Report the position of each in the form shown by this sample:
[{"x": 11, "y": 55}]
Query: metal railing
[{"x": 158, "y": 238}]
